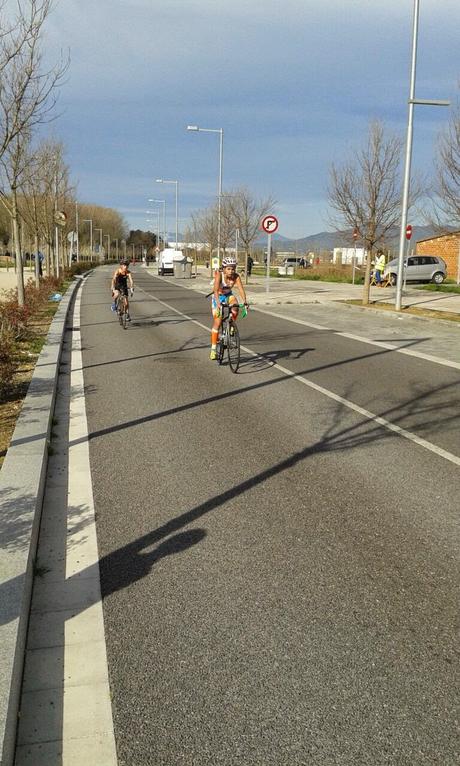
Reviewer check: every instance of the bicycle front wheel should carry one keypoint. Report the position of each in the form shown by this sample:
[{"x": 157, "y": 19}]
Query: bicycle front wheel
[
  {"x": 120, "y": 311},
  {"x": 233, "y": 348},
  {"x": 220, "y": 348}
]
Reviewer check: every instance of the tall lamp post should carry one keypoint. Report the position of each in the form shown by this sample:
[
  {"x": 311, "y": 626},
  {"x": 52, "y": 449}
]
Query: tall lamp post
[
  {"x": 157, "y": 235},
  {"x": 108, "y": 246},
  {"x": 90, "y": 221},
  {"x": 163, "y": 202},
  {"x": 221, "y": 160},
  {"x": 164, "y": 181},
  {"x": 100, "y": 240},
  {"x": 407, "y": 164},
  {"x": 76, "y": 230}
]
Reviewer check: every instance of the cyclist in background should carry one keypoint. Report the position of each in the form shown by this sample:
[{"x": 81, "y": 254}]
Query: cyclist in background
[
  {"x": 224, "y": 282},
  {"x": 122, "y": 280}
]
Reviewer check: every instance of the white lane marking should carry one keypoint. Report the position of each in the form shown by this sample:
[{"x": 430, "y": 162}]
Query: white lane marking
[
  {"x": 351, "y": 336},
  {"x": 82, "y": 565},
  {"x": 335, "y": 397},
  {"x": 360, "y": 339}
]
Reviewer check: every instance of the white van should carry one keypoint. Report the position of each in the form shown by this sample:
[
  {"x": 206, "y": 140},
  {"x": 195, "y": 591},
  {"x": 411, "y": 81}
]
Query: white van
[{"x": 166, "y": 260}]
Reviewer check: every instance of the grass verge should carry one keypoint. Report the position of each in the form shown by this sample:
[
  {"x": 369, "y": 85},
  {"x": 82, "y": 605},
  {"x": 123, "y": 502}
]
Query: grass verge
[
  {"x": 428, "y": 313},
  {"x": 446, "y": 287}
]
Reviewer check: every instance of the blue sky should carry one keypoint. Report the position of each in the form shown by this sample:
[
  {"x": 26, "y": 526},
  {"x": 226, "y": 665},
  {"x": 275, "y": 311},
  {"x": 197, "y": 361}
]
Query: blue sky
[{"x": 293, "y": 84}]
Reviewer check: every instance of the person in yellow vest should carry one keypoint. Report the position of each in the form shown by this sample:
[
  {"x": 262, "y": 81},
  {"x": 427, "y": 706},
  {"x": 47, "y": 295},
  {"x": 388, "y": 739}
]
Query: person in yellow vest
[{"x": 379, "y": 267}]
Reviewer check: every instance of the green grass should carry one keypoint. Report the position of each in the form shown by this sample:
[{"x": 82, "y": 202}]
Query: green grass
[{"x": 446, "y": 287}]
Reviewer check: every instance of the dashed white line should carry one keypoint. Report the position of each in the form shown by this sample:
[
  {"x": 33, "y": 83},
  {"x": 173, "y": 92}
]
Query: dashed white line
[{"x": 331, "y": 395}]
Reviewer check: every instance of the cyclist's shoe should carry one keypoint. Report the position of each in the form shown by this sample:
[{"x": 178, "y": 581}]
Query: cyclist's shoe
[
  {"x": 113, "y": 307},
  {"x": 128, "y": 318},
  {"x": 213, "y": 354}
]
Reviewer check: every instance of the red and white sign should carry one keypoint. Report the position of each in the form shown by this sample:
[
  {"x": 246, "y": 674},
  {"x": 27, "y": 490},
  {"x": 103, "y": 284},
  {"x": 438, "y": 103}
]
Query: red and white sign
[
  {"x": 269, "y": 224},
  {"x": 408, "y": 231}
]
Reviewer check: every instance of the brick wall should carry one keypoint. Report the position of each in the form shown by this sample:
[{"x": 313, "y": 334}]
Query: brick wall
[{"x": 446, "y": 247}]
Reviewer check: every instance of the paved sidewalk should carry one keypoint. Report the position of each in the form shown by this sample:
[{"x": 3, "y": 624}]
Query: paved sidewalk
[
  {"x": 8, "y": 278},
  {"x": 295, "y": 291}
]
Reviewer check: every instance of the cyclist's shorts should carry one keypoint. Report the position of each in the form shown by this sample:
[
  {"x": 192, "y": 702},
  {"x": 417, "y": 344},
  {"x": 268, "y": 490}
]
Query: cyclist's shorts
[
  {"x": 122, "y": 289},
  {"x": 223, "y": 299}
]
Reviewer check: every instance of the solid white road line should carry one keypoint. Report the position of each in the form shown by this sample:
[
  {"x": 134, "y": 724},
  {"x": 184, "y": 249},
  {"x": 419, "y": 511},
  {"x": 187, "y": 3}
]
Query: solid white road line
[
  {"x": 331, "y": 395},
  {"x": 82, "y": 564}
]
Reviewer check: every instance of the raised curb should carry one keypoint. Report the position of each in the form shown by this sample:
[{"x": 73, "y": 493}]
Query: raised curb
[{"x": 22, "y": 479}]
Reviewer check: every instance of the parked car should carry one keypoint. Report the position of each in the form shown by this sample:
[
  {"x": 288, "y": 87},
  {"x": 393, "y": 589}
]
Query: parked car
[{"x": 418, "y": 268}]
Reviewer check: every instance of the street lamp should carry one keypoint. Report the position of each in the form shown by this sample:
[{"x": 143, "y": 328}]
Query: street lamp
[
  {"x": 221, "y": 158},
  {"x": 90, "y": 221},
  {"x": 116, "y": 245},
  {"x": 164, "y": 181},
  {"x": 77, "y": 232},
  {"x": 405, "y": 198},
  {"x": 108, "y": 246},
  {"x": 163, "y": 202},
  {"x": 100, "y": 239},
  {"x": 157, "y": 236}
]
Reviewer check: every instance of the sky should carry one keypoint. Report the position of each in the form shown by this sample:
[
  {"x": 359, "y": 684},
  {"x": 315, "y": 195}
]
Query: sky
[{"x": 292, "y": 83}]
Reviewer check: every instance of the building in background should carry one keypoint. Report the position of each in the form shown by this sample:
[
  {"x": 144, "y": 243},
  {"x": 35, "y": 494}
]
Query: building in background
[{"x": 445, "y": 246}]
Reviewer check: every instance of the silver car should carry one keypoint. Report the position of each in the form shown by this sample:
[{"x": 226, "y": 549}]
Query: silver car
[{"x": 418, "y": 268}]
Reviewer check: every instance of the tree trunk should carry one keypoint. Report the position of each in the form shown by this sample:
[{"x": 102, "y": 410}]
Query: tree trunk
[
  {"x": 17, "y": 249},
  {"x": 367, "y": 279}
]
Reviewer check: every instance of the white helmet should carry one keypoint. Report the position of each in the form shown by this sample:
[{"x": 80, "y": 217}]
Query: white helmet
[{"x": 229, "y": 260}]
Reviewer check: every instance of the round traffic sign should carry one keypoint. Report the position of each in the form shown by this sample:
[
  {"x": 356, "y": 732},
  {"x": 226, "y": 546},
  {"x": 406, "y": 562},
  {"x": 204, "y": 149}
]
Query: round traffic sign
[
  {"x": 408, "y": 231},
  {"x": 269, "y": 224}
]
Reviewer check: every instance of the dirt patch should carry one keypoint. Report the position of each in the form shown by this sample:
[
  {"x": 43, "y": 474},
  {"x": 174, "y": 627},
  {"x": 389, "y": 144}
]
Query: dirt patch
[
  {"x": 28, "y": 353},
  {"x": 428, "y": 313}
]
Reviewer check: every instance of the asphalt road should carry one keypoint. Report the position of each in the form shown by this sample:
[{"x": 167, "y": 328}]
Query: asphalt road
[{"x": 280, "y": 573}]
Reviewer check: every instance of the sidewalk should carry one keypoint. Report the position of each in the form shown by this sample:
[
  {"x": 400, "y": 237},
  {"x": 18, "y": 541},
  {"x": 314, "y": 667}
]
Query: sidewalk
[
  {"x": 310, "y": 291},
  {"x": 8, "y": 279}
]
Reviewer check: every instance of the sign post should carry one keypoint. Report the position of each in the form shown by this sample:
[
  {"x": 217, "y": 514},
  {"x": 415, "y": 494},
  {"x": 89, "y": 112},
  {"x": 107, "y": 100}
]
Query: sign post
[
  {"x": 408, "y": 237},
  {"x": 269, "y": 225}
]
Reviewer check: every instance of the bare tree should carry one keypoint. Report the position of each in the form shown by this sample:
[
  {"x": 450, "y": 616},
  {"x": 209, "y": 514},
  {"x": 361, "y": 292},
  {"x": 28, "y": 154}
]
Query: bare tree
[
  {"x": 247, "y": 213},
  {"x": 365, "y": 192},
  {"x": 447, "y": 184},
  {"x": 27, "y": 99}
]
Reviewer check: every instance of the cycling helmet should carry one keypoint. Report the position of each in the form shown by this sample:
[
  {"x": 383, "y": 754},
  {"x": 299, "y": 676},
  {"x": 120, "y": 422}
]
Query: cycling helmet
[{"x": 229, "y": 260}]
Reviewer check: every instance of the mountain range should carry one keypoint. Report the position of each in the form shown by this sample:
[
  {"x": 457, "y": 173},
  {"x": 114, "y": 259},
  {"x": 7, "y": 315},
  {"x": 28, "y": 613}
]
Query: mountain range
[{"x": 327, "y": 240}]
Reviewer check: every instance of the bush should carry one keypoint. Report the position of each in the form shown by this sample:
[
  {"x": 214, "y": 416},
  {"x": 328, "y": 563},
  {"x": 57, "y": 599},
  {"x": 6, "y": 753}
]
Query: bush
[{"x": 8, "y": 362}]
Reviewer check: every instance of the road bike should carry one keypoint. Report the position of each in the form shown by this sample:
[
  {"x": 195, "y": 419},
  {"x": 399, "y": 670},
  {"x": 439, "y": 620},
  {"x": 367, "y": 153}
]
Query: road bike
[
  {"x": 229, "y": 337},
  {"x": 122, "y": 310}
]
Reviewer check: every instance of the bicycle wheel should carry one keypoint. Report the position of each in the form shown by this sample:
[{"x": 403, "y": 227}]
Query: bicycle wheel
[
  {"x": 233, "y": 348},
  {"x": 220, "y": 348},
  {"x": 120, "y": 309}
]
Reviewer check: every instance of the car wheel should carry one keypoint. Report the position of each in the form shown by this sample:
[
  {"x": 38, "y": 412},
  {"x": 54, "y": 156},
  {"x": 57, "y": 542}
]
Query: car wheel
[
  {"x": 393, "y": 279},
  {"x": 438, "y": 278}
]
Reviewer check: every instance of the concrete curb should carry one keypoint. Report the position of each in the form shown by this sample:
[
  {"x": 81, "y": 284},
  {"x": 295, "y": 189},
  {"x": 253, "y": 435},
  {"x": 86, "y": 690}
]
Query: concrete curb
[{"x": 22, "y": 479}]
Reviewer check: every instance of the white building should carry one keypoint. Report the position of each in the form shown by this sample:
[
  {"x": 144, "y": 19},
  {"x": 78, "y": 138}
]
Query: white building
[{"x": 345, "y": 255}]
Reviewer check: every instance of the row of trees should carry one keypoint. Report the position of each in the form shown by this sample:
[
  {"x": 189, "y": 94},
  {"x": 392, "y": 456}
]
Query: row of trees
[
  {"x": 35, "y": 185},
  {"x": 365, "y": 191}
]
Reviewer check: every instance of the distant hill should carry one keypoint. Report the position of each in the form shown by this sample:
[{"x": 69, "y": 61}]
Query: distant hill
[{"x": 327, "y": 240}]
